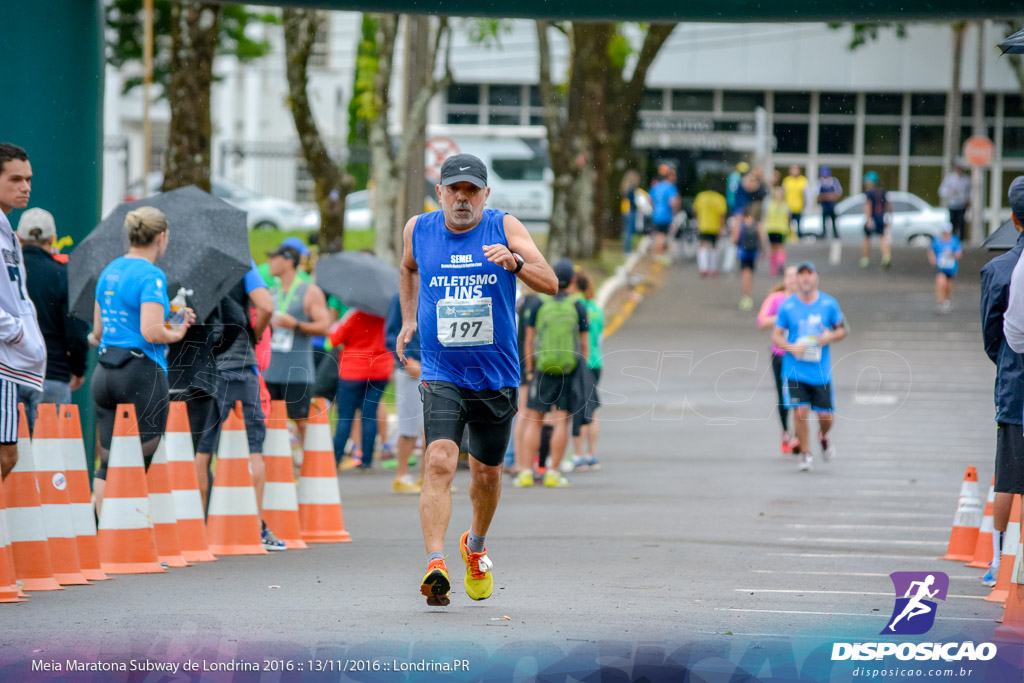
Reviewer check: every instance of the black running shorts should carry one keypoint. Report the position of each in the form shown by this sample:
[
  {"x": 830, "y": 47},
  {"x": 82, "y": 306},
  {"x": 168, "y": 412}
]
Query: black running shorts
[
  {"x": 552, "y": 392},
  {"x": 817, "y": 396},
  {"x": 449, "y": 409},
  {"x": 1009, "y": 458}
]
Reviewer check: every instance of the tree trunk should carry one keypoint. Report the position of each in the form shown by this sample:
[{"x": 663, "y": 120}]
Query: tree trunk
[
  {"x": 389, "y": 160},
  {"x": 560, "y": 152},
  {"x": 194, "y": 30},
  {"x": 330, "y": 185},
  {"x": 954, "y": 101}
]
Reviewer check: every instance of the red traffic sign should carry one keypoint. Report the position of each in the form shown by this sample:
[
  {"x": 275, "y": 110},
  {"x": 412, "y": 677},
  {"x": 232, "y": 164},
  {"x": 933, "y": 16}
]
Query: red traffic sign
[
  {"x": 978, "y": 151},
  {"x": 439, "y": 149}
]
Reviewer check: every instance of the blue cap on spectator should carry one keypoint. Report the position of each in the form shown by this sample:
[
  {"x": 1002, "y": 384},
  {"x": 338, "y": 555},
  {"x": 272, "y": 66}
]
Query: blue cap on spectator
[
  {"x": 808, "y": 266},
  {"x": 1016, "y": 195},
  {"x": 825, "y": 172},
  {"x": 296, "y": 244}
]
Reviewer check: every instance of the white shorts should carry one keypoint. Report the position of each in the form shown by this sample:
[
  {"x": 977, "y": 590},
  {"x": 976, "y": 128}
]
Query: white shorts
[{"x": 409, "y": 404}]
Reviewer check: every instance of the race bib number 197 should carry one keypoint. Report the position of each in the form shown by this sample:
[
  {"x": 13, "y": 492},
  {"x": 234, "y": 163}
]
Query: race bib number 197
[{"x": 465, "y": 322}]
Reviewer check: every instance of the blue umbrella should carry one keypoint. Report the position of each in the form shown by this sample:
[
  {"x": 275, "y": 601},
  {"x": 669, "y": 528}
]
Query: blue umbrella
[
  {"x": 208, "y": 250},
  {"x": 1014, "y": 44}
]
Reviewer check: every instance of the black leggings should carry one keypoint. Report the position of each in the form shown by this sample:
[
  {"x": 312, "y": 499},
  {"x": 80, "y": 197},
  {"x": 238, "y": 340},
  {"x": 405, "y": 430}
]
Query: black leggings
[
  {"x": 783, "y": 410},
  {"x": 829, "y": 217},
  {"x": 142, "y": 383}
]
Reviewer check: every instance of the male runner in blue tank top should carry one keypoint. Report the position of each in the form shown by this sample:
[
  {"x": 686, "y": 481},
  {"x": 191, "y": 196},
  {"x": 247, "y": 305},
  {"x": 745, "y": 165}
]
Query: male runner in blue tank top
[{"x": 458, "y": 289}]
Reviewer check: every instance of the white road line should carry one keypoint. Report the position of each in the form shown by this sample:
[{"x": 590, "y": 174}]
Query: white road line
[
  {"x": 850, "y": 527},
  {"x": 823, "y": 592},
  {"x": 851, "y": 556},
  {"x": 873, "y": 615},
  {"x": 873, "y": 541},
  {"x": 871, "y": 575}
]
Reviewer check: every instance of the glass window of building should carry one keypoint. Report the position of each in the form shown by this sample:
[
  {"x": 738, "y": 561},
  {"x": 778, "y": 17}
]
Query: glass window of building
[
  {"x": 503, "y": 118},
  {"x": 792, "y": 103},
  {"x": 653, "y": 100},
  {"x": 505, "y": 95},
  {"x": 888, "y": 175},
  {"x": 882, "y": 139},
  {"x": 883, "y": 103},
  {"x": 693, "y": 100},
  {"x": 535, "y": 100},
  {"x": 464, "y": 94},
  {"x": 835, "y": 138},
  {"x": 968, "y": 105},
  {"x": 928, "y": 104},
  {"x": 926, "y": 140},
  {"x": 1013, "y": 141},
  {"x": 924, "y": 181},
  {"x": 463, "y": 118},
  {"x": 742, "y": 101},
  {"x": 791, "y": 138},
  {"x": 837, "y": 103},
  {"x": 1013, "y": 106}
]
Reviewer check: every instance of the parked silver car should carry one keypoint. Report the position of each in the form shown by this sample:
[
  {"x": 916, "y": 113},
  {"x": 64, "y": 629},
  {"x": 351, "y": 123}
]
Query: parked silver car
[{"x": 914, "y": 221}]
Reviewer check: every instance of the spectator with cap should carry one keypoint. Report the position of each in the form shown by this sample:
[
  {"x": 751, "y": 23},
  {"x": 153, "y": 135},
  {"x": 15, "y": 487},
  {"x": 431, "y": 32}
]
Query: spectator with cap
[
  {"x": 1002, "y": 337},
  {"x": 557, "y": 343},
  {"x": 300, "y": 313},
  {"x": 955, "y": 192},
  {"x": 828, "y": 191},
  {"x": 46, "y": 280},
  {"x": 304, "y": 255}
]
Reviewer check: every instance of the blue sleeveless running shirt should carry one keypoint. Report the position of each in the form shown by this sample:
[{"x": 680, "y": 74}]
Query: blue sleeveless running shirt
[{"x": 466, "y": 313}]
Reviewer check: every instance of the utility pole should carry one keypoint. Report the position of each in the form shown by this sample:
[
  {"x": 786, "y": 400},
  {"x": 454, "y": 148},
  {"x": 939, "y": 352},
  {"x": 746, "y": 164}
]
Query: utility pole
[
  {"x": 978, "y": 172},
  {"x": 147, "y": 81}
]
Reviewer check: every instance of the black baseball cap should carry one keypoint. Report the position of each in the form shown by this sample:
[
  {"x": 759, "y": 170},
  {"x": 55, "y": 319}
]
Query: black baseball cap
[
  {"x": 290, "y": 253},
  {"x": 1015, "y": 195},
  {"x": 564, "y": 271},
  {"x": 464, "y": 168},
  {"x": 808, "y": 266}
]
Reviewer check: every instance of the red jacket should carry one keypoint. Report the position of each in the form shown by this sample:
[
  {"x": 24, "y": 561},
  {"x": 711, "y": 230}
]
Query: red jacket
[{"x": 364, "y": 355}]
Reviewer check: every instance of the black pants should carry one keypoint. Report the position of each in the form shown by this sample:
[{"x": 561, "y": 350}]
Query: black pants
[
  {"x": 826, "y": 218},
  {"x": 956, "y": 218},
  {"x": 142, "y": 383},
  {"x": 783, "y": 410}
]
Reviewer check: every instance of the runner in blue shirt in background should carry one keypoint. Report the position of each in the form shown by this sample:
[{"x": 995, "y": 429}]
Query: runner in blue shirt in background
[
  {"x": 945, "y": 255},
  {"x": 665, "y": 198},
  {"x": 806, "y": 325}
]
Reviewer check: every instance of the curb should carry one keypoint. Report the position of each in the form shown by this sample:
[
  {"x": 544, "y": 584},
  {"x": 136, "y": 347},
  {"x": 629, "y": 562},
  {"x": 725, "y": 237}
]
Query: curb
[{"x": 620, "y": 280}]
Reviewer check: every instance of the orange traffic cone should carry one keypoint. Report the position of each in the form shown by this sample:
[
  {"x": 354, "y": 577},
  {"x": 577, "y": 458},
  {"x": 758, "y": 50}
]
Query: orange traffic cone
[
  {"x": 48, "y": 454},
  {"x": 161, "y": 502},
  {"x": 1011, "y": 541},
  {"x": 983, "y": 548},
  {"x": 233, "y": 524},
  {"x": 280, "y": 501},
  {"x": 1012, "y": 628},
  {"x": 188, "y": 504},
  {"x": 28, "y": 541},
  {"x": 319, "y": 497},
  {"x": 125, "y": 536},
  {"x": 83, "y": 513},
  {"x": 966, "y": 522},
  {"x": 8, "y": 589}
]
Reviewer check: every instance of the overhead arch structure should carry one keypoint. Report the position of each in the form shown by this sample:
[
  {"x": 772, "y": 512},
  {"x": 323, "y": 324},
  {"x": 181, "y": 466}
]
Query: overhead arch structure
[{"x": 52, "y": 78}]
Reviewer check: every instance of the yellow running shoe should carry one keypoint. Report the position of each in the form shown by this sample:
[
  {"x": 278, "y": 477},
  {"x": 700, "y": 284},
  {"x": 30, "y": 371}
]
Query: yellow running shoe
[
  {"x": 524, "y": 478},
  {"x": 436, "y": 584},
  {"x": 479, "y": 582}
]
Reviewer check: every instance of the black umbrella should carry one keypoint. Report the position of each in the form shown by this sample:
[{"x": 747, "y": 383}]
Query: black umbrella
[
  {"x": 360, "y": 280},
  {"x": 208, "y": 250},
  {"x": 1014, "y": 44},
  {"x": 1004, "y": 238}
]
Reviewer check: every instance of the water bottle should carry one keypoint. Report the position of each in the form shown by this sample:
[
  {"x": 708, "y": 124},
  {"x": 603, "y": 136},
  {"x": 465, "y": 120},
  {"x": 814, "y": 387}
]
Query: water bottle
[{"x": 178, "y": 304}]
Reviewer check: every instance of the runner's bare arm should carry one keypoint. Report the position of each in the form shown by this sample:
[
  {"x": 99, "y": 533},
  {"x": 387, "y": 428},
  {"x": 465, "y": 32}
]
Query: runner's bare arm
[
  {"x": 97, "y": 324},
  {"x": 408, "y": 290},
  {"x": 264, "y": 305},
  {"x": 315, "y": 304},
  {"x": 835, "y": 334},
  {"x": 536, "y": 272}
]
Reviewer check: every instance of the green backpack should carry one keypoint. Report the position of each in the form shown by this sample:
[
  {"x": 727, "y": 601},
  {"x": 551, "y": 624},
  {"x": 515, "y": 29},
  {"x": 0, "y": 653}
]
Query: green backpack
[{"x": 558, "y": 336}]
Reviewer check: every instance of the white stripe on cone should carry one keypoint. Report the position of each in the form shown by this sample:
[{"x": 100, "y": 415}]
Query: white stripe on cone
[
  {"x": 233, "y": 501},
  {"x": 319, "y": 491},
  {"x": 125, "y": 513},
  {"x": 1011, "y": 538},
  {"x": 163, "y": 508},
  {"x": 279, "y": 495},
  {"x": 277, "y": 443},
  {"x": 179, "y": 447},
  {"x": 233, "y": 445},
  {"x": 318, "y": 438},
  {"x": 48, "y": 455},
  {"x": 125, "y": 451},
  {"x": 188, "y": 504},
  {"x": 25, "y": 525},
  {"x": 57, "y": 520}
]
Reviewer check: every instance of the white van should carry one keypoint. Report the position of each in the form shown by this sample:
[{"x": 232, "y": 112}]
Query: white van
[{"x": 518, "y": 171}]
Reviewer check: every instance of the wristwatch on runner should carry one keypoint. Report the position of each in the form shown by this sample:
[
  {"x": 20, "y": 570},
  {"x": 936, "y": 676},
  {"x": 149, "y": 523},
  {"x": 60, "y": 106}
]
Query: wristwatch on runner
[{"x": 519, "y": 262}]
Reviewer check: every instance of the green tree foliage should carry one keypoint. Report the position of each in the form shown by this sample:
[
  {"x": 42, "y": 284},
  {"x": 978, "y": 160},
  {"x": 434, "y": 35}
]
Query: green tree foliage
[
  {"x": 862, "y": 34},
  {"x": 362, "y": 106},
  {"x": 124, "y": 21}
]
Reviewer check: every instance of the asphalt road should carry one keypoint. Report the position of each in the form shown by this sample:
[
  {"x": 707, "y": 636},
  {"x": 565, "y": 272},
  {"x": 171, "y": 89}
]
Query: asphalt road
[{"x": 696, "y": 533}]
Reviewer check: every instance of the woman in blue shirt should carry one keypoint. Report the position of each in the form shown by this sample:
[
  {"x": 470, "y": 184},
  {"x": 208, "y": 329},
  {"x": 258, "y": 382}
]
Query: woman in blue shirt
[{"x": 129, "y": 325}]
